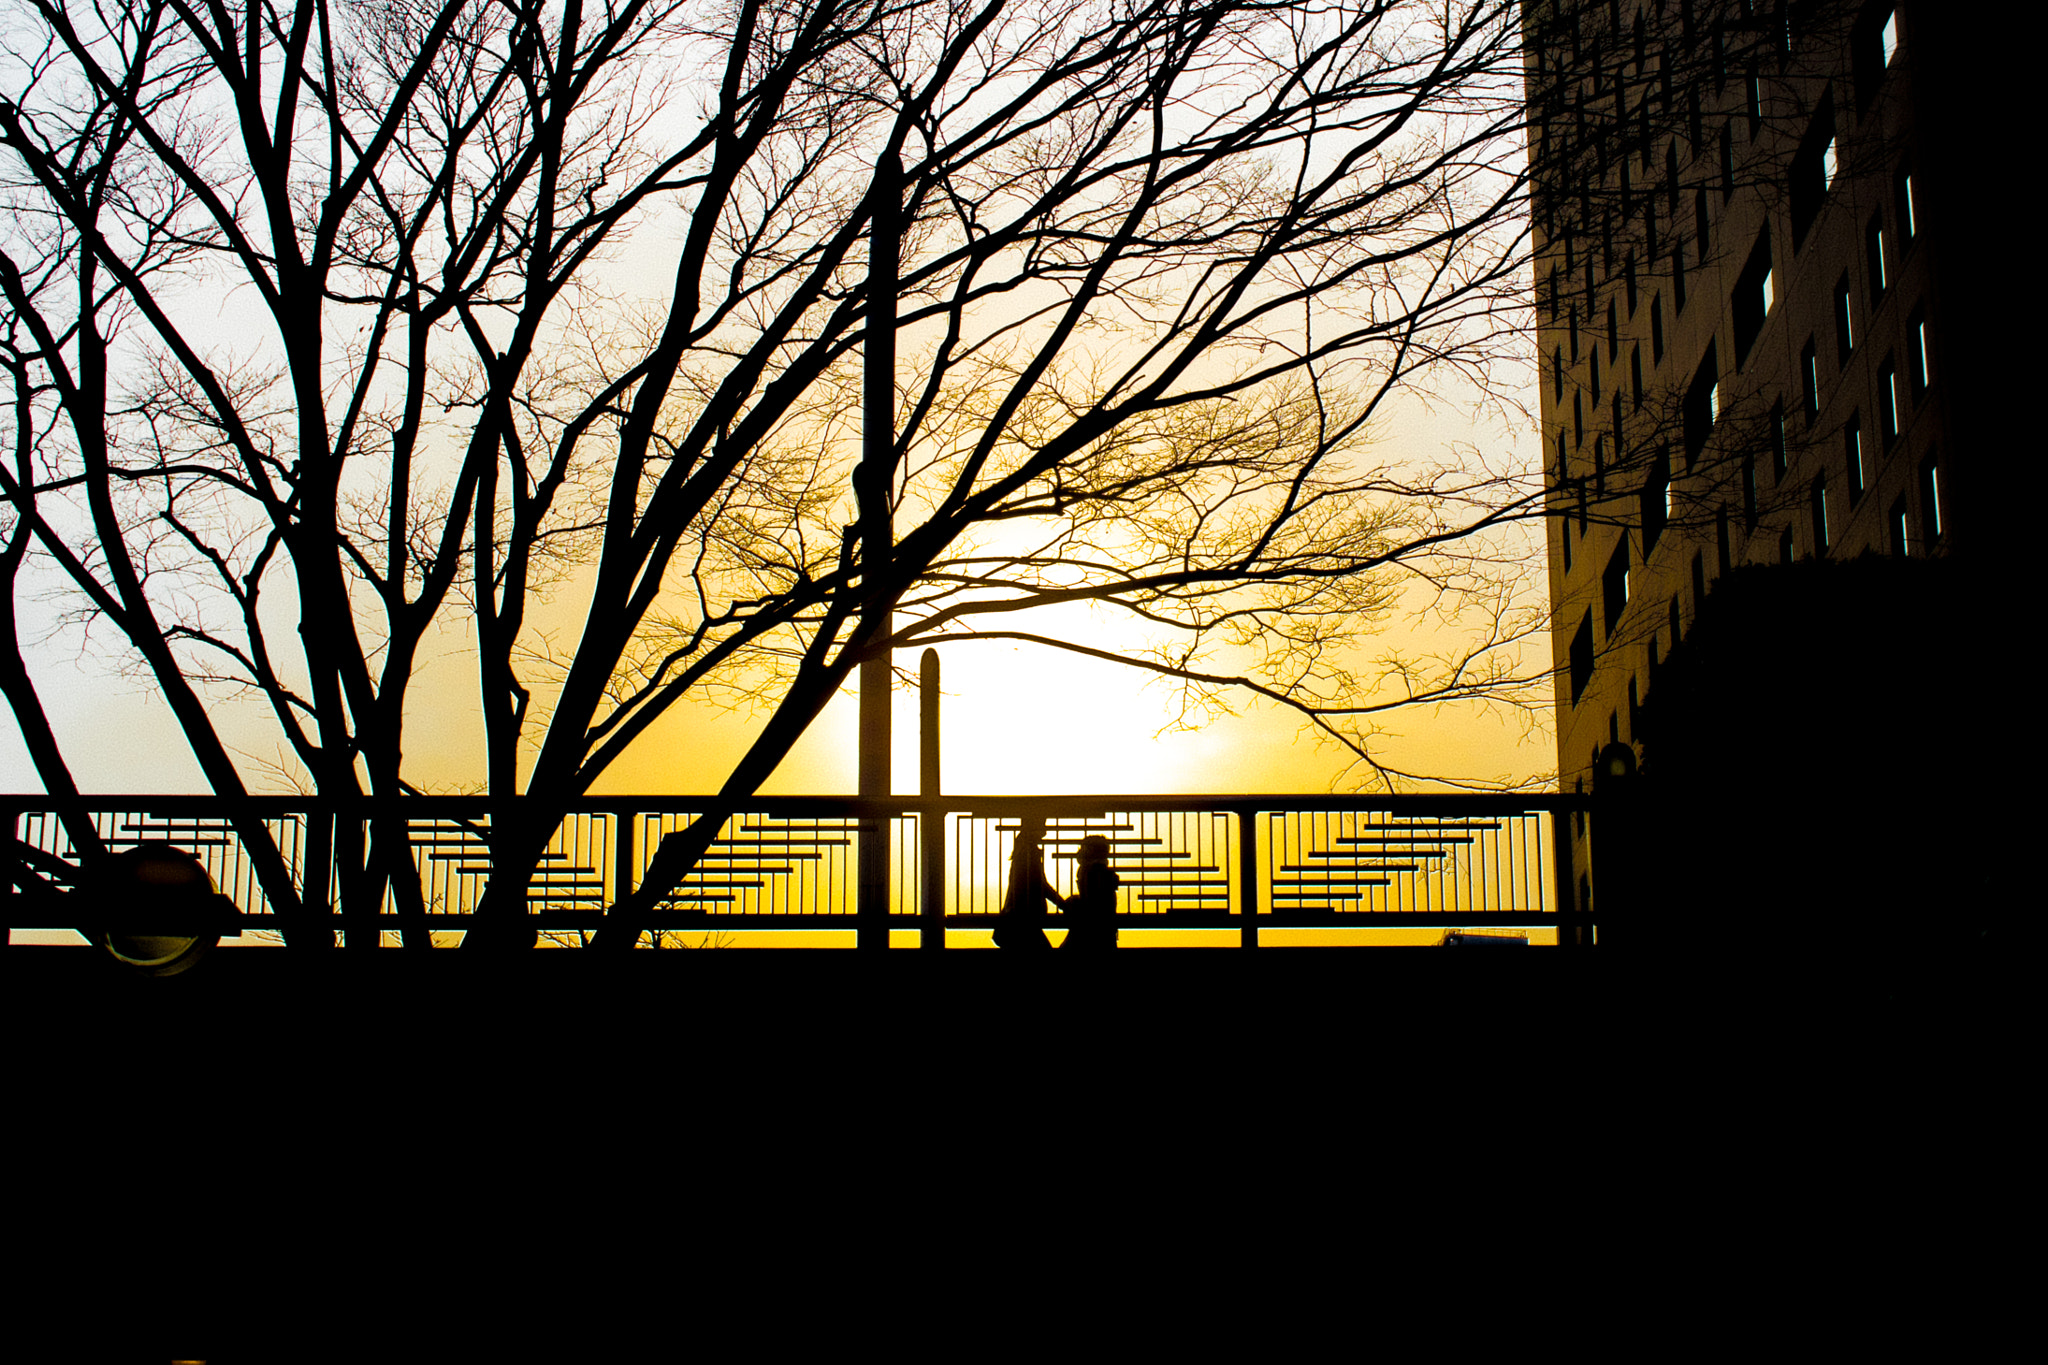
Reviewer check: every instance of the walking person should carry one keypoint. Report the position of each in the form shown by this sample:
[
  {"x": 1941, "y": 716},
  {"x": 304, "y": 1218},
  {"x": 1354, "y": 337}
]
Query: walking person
[
  {"x": 1022, "y": 921},
  {"x": 1091, "y": 910}
]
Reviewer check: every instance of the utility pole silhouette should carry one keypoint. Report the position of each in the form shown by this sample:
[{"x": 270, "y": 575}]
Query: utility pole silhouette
[
  {"x": 872, "y": 483},
  {"x": 931, "y": 823}
]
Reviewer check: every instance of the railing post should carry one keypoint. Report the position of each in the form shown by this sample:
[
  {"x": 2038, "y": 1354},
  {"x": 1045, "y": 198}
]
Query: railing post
[
  {"x": 10, "y": 896},
  {"x": 1248, "y": 877},
  {"x": 624, "y": 845},
  {"x": 316, "y": 878},
  {"x": 1565, "y": 888},
  {"x": 931, "y": 820},
  {"x": 873, "y": 481},
  {"x": 1617, "y": 840}
]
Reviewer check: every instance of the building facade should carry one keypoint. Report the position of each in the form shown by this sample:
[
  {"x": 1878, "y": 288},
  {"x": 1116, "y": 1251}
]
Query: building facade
[{"x": 1746, "y": 216}]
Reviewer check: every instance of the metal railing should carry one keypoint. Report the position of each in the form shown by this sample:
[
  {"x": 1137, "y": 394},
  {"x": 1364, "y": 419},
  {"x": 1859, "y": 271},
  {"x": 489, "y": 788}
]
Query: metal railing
[{"x": 1248, "y": 864}]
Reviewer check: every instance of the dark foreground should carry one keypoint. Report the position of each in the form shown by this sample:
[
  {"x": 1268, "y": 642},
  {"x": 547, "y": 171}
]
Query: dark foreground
[
  {"x": 669, "y": 1016},
  {"x": 225, "y": 1134}
]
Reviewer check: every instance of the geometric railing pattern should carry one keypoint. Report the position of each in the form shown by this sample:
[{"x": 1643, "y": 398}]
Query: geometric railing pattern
[{"x": 1240, "y": 862}]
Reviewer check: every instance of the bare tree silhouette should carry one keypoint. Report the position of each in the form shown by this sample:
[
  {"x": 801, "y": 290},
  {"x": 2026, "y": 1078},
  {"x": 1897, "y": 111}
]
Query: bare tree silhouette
[{"x": 574, "y": 298}]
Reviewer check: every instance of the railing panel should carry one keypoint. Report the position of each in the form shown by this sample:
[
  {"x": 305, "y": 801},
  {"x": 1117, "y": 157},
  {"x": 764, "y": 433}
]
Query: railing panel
[
  {"x": 1318, "y": 863},
  {"x": 768, "y": 867},
  {"x": 577, "y": 871},
  {"x": 210, "y": 838},
  {"x": 1175, "y": 865},
  {"x": 1362, "y": 866}
]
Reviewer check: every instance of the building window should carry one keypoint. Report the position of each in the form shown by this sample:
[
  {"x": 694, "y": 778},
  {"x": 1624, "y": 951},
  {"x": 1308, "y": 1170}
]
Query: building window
[
  {"x": 1582, "y": 657},
  {"x": 1787, "y": 551},
  {"x": 1845, "y": 322},
  {"x": 1724, "y": 558},
  {"x": 1820, "y": 514},
  {"x": 1635, "y": 376},
  {"x": 1749, "y": 492},
  {"x": 1917, "y": 373},
  {"x": 1599, "y": 463},
  {"x": 1930, "y": 500},
  {"x": 1898, "y": 528},
  {"x": 1702, "y": 406},
  {"x": 1852, "y": 458},
  {"x": 1755, "y": 292},
  {"x": 1888, "y": 402},
  {"x": 1727, "y": 163},
  {"x": 1593, "y": 374},
  {"x": 1557, "y": 372},
  {"x": 1813, "y": 170},
  {"x": 1699, "y": 584},
  {"x": 1753, "y": 92},
  {"x": 1572, "y": 332},
  {"x": 1614, "y": 586},
  {"x": 1613, "y": 332},
  {"x": 1654, "y": 503},
  {"x": 1777, "y": 443},
  {"x": 1873, "y": 242},
  {"x": 1701, "y": 223},
  {"x": 1578, "y": 421},
  {"x": 1678, "y": 275},
  {"x": 1628, "y": 276},
  {"x": 1908, "y": 226},
  {"x": 1809, "y": 379},
  {"x": 1656, "y": 329},
  {"x": 1874, "y": 44},
  {"x": 1565, "y": 539}
]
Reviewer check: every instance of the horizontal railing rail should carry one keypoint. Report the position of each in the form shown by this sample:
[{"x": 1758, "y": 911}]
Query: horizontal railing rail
[{"x": 1249, "y": 863}]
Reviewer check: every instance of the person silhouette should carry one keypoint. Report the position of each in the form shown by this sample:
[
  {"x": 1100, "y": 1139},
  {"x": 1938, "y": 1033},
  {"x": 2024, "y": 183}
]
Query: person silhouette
[
  {"x": 1022, "y": 921},
  {"x": 1091, "y": 910}
]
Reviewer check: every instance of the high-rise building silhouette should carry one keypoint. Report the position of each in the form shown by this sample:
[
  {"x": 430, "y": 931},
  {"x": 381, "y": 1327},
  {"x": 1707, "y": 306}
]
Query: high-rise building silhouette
[{"x": 1765, "y": 319}]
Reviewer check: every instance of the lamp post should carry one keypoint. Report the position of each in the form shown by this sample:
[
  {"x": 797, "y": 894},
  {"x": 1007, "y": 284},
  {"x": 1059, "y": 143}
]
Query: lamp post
[{"x": 873, "y": 481}]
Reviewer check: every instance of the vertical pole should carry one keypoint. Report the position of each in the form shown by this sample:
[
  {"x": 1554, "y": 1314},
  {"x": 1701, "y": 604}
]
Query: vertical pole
[
  {"x": 1617, "y": 839},
  {"x": 623, "y": 854},
  {"x": 1564, "y": 888},
  {"x": 873, "y": 482},
  {"x": 10, "y": 828},
  {"x": 316, "y": 879},
  {"x": 359, "y": 926},
  {"x": 1248, "y": 877},
  {"x": 931, "y": 898}
]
